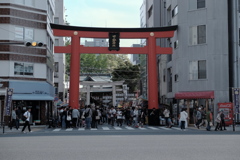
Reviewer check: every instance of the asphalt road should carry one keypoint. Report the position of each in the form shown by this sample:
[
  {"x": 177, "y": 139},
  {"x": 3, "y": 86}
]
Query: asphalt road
[{"x": 122, "y": 147}]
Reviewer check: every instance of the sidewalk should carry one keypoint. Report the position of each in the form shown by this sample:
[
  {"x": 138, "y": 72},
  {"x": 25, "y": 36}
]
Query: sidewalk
[{"x": 35, "y": 128}]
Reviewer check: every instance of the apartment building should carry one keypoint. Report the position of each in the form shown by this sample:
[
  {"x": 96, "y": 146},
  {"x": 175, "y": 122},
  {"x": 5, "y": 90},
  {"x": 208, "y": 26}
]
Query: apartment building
[
  {"x": 28, "y": 70},
  {"x": 59, "y": 59},
  {"x": 204, "y": 65}
]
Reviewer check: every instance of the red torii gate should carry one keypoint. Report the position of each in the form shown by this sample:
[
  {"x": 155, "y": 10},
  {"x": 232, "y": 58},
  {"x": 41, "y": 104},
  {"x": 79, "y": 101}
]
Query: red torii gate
[{"x": 75, "y": 49}]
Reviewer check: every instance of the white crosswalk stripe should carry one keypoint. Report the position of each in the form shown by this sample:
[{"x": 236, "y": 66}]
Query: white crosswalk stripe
[
  {"x": 94, "y": 129},
  {"x": 164, "y": 128},
  {"x": 69, "y": 129},
  {"x": 121, "y": 128},
  {"x": 130, "y": 128},
  {"x": 81, "y": 129},
  {"x": 153, "y": 128},
  {"x": 176, "y": 128},
  {"x": 105, "y": 128}
]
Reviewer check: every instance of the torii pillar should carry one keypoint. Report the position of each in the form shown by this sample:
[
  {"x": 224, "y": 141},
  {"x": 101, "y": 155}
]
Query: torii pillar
[{"x": 75, "y": 49}]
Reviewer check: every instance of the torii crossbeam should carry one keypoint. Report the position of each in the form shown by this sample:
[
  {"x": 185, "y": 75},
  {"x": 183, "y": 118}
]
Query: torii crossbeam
[{"x": 75, "y": 49}]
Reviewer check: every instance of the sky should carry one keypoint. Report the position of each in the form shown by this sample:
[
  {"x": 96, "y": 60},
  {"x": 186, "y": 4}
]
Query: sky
[{"x": 104, "y": 13}]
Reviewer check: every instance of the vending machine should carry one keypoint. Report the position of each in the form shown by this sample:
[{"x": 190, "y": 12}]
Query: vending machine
[{"x": 227, "y": 109}]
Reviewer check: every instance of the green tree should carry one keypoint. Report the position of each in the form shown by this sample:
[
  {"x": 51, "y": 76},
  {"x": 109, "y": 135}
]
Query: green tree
[
  {"x": 129, "y": 73},
  {"x": 67, "y": 58}
]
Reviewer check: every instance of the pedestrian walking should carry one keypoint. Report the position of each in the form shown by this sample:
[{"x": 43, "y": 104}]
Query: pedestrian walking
[
  {"x": 199, "y": 117},
  {"x": 95, "y": 118},
  {"x": 69, "y": 119},
  {"x": 209, "y": 120},
  {"x": 218, "y": 120},
  {"x": 88, "y": 117},
  {"x": 204, "y": 119},
  {"x": 128, "y": 117},
  {"x": 19, "y": 116},
  {"x": 14, "y": 119},
  {"x": 183, "y": 119},
  {"x": 223, "y": 124},
  {"x": 27, "y": 114},
  {"x": 166, "y": 114},
  {"x": 75, "y": 116},
  {"x": 119, "y": 117},
  {"x": 112, "y": 113},
  {"x": 135, "y": 117},
  {"x": 63, "y": 115}
]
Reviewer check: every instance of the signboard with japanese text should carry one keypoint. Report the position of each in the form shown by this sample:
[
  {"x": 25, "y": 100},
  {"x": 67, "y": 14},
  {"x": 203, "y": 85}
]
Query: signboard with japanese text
[
  {"x": 114, "y": 41},
  {"x": 235, "y": 93},
  {"x": 8, "y": 101}
]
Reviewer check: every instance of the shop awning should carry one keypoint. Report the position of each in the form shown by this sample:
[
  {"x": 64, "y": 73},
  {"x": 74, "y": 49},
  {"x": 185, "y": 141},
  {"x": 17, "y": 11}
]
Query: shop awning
[
  {"x": 32, "y": 97},
  {"x": 195, "y": 95}
]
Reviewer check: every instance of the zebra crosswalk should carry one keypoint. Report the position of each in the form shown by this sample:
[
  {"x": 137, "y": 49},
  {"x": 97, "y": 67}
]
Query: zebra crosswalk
[{"x": 105, "y": 128}]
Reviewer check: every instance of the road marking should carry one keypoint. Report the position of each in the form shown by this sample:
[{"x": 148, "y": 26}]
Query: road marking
[
  {"x": 153, "y": 128},
  {"x": 164, "y": 128},
  {"x": 93, "y": 129},
  {"x": 69, "y": 129},
  {"x": 56, "y": 130},
  {"x": 105, "y": 128},
  {"x": 81, "y": 129},
  {"x": 176, "y": 128},
  {"x": 117, "y": 128},
  {"x": 130, "y": 128},
  {"x": 142, "y": 128}
]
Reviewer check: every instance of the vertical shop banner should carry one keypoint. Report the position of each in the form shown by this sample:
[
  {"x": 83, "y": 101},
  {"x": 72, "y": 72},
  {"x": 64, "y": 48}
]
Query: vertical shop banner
[
  {"x": 8, "y": 101},
  {"x": 235, "y": 92}
]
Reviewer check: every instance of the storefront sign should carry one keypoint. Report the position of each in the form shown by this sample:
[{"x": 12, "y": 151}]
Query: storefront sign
[
  {"x": 235, "y": 92},
  {"x": 8, "y": 101}
]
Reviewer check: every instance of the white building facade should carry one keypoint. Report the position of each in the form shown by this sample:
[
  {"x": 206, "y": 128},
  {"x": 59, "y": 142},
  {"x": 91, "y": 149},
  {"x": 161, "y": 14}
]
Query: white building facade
[
  {"x": 204, "y": 65},
  {"x": 27, "y": 70}
]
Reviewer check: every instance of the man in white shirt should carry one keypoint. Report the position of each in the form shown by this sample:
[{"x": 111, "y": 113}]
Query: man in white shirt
[{"x": 27, "y": 114}]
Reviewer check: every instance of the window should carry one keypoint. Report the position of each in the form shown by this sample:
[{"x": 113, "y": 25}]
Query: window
[
  {"x": 175, "y": 11},
  {"x": 239, "y": 37},
  {"x": 19, "y": 33},
  {"x": 196, "y": 4},
  {"x": 23, "y": 69},
  {"x": 22, "y": 33},
  {"x": 169, "y": 78},
  {"x": 49, "y": 43},
  {"x": 50, "y": 11},
  {"x": 197, "y": 35},
  {"x": 176, "y": 44},
  {"x": 169, "y": 57},
  {"x": 238, "y": 6},
  {"x": 169, "y": 17},
  {"x": 150, "y": 12},
  {"x": 164, "y": 76},
  {"x": 28, "y": 34},
  {"x": 197, "y": 70},
  {"x": 56, "y": 66},
  {"x": 56, "y": 20},
  {"x": 200, "y": 4},
  {"x": 56, "y": 42}
]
